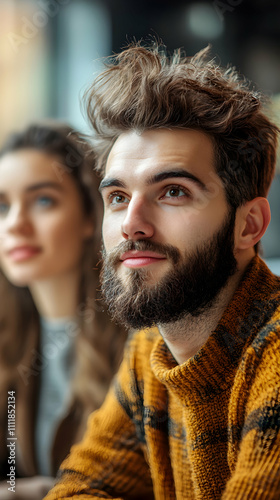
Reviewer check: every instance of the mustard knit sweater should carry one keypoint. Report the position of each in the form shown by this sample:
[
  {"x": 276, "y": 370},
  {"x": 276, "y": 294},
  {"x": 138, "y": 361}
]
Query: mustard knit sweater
[{"x": 208, "y": 429}]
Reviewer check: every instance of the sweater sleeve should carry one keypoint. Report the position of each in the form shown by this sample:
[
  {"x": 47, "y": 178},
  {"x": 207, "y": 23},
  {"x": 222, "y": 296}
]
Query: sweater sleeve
[
  {"x": 257, "y": 472},
  {"x": 110, "y": 461}
]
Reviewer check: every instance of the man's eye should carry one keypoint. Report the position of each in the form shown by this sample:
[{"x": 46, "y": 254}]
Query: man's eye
[
  {"x": 175, "y": 192},
  {"x": 117, "y": 199}
]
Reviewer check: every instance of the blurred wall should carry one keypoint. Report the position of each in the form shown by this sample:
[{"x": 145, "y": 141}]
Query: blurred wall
[{"x": 48, "y": 54}]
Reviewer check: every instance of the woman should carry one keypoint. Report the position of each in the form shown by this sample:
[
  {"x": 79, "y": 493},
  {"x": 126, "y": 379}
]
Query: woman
[{"x": 58, "y": 349}]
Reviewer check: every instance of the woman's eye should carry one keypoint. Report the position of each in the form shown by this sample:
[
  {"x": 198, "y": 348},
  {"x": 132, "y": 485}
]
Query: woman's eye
[
  {"x": 44, "y": 201},
  {"x": 4, "y": 208}
]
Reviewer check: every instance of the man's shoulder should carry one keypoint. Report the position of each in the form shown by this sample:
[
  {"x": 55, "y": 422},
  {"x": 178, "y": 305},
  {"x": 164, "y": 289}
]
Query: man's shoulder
[
  {"x": 258, "y": 303},
  {"x": 269, "y": 333},
  {"x": 262, "y": 353}
]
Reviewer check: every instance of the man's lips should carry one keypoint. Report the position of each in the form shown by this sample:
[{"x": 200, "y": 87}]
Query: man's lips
[
  {"x": 22, "y": 253},
  {"x": 137, "y": 258}
]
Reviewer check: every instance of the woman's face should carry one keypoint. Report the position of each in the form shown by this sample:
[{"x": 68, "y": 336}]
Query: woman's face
[{"x": 42, "y": 222}]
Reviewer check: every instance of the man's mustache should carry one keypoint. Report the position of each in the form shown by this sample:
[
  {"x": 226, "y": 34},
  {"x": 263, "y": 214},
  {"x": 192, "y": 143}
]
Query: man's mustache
[{"x": 112, "y": 257}]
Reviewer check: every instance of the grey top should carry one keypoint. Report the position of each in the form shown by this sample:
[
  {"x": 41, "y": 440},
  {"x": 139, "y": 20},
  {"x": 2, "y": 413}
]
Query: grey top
[{"x": 56, "y": 347}]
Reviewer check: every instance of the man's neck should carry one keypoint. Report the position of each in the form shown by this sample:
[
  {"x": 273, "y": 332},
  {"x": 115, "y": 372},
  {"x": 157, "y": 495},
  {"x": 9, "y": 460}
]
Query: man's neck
[{"x": 185, "y": 337}]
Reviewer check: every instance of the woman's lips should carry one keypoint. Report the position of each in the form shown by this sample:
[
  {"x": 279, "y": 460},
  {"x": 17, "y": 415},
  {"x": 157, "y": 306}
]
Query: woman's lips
[
  {"x": 22, "y": 253},
  {"x": 136, "y": 258}
]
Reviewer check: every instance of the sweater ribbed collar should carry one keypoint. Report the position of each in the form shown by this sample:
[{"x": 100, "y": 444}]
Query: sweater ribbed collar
[{"x": 212, "y": 368}]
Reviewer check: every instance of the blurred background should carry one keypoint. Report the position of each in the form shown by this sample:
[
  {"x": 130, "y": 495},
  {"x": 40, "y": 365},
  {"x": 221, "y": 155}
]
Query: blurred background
[{"x": 52, "y": 49}]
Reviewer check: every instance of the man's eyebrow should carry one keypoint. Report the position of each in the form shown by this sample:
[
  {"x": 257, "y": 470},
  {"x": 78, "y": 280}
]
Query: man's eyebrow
[
  {"x": 162, "y": 176},
  {"x": 155, "y": 178},
  {"x": 109, "y": 182}
]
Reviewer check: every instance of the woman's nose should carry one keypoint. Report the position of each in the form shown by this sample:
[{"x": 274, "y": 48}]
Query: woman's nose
[{"x": 17, "y": 221}]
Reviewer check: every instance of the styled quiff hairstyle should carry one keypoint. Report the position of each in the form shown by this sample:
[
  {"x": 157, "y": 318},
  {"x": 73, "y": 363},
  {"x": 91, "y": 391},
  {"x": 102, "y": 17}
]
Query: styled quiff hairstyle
[{"x": 142, "y": 88}]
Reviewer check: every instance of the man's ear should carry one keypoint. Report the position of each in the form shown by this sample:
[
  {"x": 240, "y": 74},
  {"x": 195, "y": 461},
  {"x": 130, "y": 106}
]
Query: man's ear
[{"x": 253, "y": 217}]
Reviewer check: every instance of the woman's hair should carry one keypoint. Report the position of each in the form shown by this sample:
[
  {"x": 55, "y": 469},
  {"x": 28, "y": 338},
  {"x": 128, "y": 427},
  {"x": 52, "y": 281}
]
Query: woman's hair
[
  {"x": 142, "y": 88},
  {"x": 99, "y": 343}
]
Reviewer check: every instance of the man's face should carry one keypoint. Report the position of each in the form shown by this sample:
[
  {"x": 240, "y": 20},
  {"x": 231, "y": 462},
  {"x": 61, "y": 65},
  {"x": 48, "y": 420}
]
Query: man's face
[{"x": 168, "y": 232}]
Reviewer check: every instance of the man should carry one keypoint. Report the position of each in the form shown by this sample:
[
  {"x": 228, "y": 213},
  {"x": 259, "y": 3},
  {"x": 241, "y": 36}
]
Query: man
[{"x": 187, "y": 157}]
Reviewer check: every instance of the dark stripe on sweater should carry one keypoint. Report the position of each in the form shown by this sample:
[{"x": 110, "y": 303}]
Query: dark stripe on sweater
[
  {"x": 266, "y": 421},
  {"x": 211, "y": 438}
]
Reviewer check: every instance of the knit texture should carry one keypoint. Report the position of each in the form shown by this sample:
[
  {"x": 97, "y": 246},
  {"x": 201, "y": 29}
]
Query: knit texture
[{"x": 208, "y": 429}]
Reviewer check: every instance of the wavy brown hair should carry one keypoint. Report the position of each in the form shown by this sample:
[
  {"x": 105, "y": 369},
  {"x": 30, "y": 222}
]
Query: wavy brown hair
[
  {"x": 143, "y": 88},
  {"x": 99, "y": 343}
]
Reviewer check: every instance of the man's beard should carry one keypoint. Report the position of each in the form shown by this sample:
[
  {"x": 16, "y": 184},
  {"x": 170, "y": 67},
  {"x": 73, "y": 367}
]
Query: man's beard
[{"x": 190, "y": 287}]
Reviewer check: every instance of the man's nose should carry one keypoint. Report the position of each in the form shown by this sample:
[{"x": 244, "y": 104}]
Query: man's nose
[{"x": 138, "y": 222}]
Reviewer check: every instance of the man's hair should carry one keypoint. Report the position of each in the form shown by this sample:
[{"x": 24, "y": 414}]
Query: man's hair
[{"x": 142, "y": 89}]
